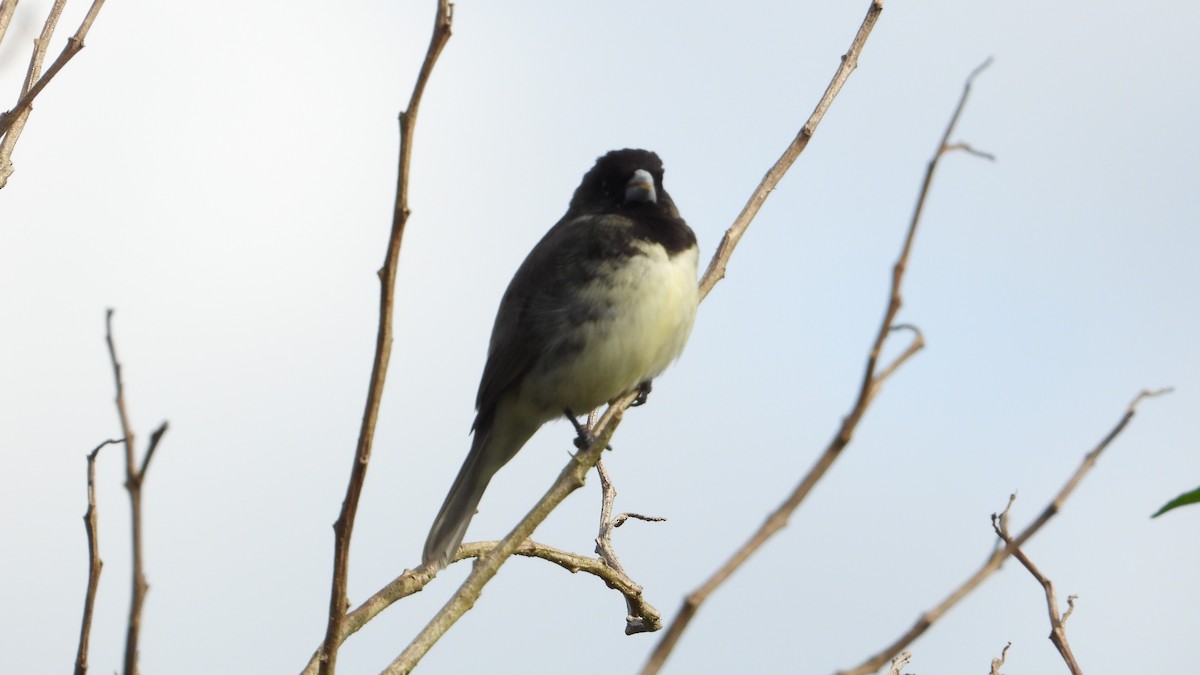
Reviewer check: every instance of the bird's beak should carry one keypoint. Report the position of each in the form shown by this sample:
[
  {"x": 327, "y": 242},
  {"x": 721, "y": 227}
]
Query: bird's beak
[{"x": 640, "y": 188}]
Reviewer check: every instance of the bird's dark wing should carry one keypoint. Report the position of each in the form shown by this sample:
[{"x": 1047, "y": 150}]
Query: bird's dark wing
[{"x": 568, "y": 257}]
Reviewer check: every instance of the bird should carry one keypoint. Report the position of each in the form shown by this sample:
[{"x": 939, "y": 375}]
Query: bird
[{"x": 600, "y": 307}]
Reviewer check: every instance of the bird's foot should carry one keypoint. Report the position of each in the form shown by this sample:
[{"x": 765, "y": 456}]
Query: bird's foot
[
  {"x": 643, "y": 394},
  {"x": 584, "y": 438}
]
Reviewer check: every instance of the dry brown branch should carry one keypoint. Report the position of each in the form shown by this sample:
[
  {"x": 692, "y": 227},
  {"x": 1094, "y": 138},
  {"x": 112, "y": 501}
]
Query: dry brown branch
[
  {"x": 12, "y": 123},
  {"x": 95, "y": 564},
  {"x": 1058, "y": 623},
  {"x": 873, "y": 379},
  {"x": 997, "y": 662},
  {"x": 992, "y": 564},
  {"x": 412, "y": 581},
  {"x": 716, "y": 267},
  {"x": 135, "y": 475},
  {"x": 636, "y": 621},
  {"x": 344, "y": 527}
]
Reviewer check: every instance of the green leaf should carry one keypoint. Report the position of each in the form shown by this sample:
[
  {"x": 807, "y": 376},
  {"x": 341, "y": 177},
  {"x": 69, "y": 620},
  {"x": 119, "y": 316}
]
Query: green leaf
[{"x": 1182, "y": 500}]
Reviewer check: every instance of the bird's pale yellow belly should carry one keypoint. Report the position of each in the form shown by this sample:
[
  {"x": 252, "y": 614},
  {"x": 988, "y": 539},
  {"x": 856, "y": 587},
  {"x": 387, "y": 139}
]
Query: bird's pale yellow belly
[{"x": 652, "y": 301}]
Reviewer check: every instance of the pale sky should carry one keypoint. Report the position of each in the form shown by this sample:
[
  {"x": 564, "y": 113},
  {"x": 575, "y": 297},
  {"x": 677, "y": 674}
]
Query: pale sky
[{"x": 223, "y": 178}]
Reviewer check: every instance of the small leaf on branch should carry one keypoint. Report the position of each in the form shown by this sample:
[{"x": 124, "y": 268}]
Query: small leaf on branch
[{"x": 1182, "y": 500}]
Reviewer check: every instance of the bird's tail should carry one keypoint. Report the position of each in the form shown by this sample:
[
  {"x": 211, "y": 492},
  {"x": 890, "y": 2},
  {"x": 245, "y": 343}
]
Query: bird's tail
[
  {"x": 450, "y": 526},
  {"x": 491, "y": 448}
]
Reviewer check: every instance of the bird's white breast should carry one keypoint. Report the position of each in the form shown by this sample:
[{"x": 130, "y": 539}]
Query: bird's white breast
[{"x": 650, "y": 300}]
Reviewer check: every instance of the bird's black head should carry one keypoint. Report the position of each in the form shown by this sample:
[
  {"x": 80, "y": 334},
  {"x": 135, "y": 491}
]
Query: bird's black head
[{"x": 624, "y": 179}]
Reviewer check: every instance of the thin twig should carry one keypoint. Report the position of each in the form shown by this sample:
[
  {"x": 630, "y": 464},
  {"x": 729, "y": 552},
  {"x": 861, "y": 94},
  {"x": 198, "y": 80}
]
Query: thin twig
[
  {"x": 992, "y": 564},
  {"x": 344, "y": 527},
  {"x": 615, "y": 579},
  {"x": 1058, "y": 628},
  {"x": 997, "y": 662},
  {"x": 872, "y": 380},
  {"x": 95, "y": 564},
  {"x": 12, "y": 123},
  {"x": 917, "y": 344},
  {"x": 134, "y": 478},
  {"x": 635, "y": 621},
  {"x": 716, "y": 267}
]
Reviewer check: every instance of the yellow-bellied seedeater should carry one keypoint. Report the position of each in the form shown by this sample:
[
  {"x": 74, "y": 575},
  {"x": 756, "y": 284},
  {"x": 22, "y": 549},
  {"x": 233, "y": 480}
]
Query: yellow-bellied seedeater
[{"x": 601, "y": 306}]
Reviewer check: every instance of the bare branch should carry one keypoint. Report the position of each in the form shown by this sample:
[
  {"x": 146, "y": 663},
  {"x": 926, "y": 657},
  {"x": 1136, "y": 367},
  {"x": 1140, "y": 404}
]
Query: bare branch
[
  {"x": 996, "y": 663},
  {"x": 1058, "y": 631},
  {"x": 155, "y": 437},
  {"x": 95, "y": 564},
  {"x": 917, "y": 344},
  {"x": 126, "y": 428},
  {"x": 344, "y": 527},
  {"x": 134, "y": 477},
  {"x": 716, "y": 267},
  {"x": 12, "y": 123},
  {"x": 412, "y": 581},
  {"x": 993, "y": 562}
]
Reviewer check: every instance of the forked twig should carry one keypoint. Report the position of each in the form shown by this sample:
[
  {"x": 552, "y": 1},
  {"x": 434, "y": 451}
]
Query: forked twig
[
  {"x": 637, "y": 620},
  {"x": 413, "y": 581},
  {"x": 1058, "y": 622},
  {"x": 999, "y": 661},
  {"x": 344, "y": 527},
  {"x": 993, "y": 562},
  {"x": 135, "y": 476}
]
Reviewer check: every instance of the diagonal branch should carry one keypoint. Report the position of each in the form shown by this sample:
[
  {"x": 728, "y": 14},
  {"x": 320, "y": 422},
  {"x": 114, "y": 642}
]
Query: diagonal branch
[
  {"x": 637, "y": 620},
  {"x": 992, "y": 564},
  {"x": 1058, "y": 622},
  {"x": 716, "y": 267},
  {"x": 872, "y": 380},
  {"x": 344, "y": 527},
  {"x": 95, "y": 564},
  {"x": 12, "y": 123}
]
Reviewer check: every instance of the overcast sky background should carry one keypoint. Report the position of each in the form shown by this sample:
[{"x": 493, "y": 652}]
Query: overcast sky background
[{"x": 223, "y": 177}]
